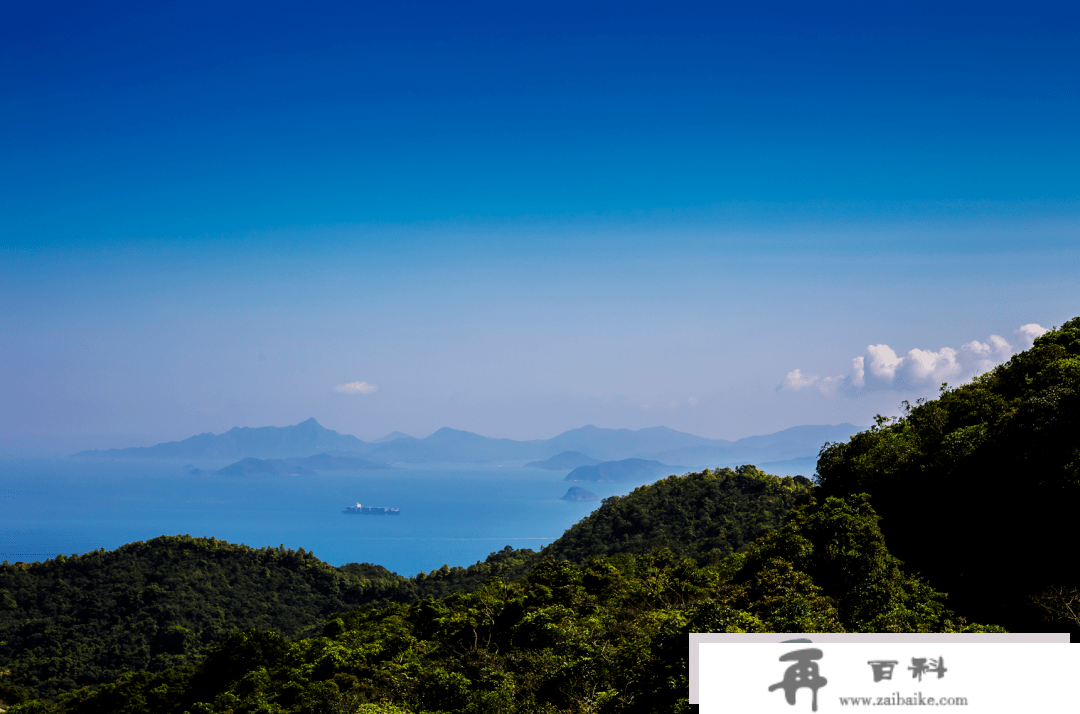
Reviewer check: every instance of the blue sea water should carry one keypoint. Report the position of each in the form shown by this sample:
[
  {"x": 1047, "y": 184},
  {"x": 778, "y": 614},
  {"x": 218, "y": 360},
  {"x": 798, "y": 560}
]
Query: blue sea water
[{"x": 449, "y": 515}]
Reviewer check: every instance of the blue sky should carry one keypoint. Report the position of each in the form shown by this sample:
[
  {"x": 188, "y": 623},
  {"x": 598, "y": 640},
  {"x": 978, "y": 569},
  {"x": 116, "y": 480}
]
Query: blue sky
[{"x": 521, "y": 218}]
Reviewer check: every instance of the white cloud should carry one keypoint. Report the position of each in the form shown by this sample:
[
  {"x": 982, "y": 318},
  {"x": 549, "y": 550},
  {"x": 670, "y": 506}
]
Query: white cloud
[
  {"x": 1029, "y": 332},
  {"x": 928, "y": 367},
  {"x": 982, "y": 357},
  {"x": 922, "y": 368},
  {"x": 883, "y": 361},
  {"x": 356, "y": 388},
  {"x": 828, "y": 386},
  {"x": 881, "y": 368},
  {"x": 796, "y": 380},
  {"x": 858, "y": 371}
]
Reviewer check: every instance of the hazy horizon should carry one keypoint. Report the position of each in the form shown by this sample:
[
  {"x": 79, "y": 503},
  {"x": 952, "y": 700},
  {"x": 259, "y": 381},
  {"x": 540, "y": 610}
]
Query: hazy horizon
[
  {"x": 518, "y": 220},
  {"x": 54, "y": 447}
]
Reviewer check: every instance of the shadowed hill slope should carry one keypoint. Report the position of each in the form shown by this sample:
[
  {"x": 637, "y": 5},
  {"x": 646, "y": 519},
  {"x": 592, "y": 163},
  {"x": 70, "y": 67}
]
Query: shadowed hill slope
[
  {"x": 706, "y": 516},
  {"x": 992, "y": 468}
]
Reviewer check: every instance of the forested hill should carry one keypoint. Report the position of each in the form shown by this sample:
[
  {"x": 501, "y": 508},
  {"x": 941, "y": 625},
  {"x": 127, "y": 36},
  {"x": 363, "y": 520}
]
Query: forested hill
[
  {"x": 71, "y": 622},
  {"x": 608, "y": 635},
  {"x": 74, "y": 621},
  {"x": 992, "y": 468},
  {"x": 706, "y": 516}
]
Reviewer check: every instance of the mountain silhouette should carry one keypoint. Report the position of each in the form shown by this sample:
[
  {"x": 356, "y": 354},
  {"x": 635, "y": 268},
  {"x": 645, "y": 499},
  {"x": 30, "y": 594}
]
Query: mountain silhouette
[
  {"x": 268, "y": 442},
  {"x": 593, "y": 445}
]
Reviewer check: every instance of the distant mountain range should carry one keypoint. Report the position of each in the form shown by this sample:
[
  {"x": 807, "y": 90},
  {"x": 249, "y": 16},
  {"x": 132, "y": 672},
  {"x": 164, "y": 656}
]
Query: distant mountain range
[
  {"x": 451, "y": 446},
  {"x": 308, "y": 466},
  {"x": 267, "y": 442}
]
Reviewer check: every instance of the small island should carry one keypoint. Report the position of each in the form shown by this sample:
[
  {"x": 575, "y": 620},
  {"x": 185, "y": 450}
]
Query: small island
[
  {"x": 575, "y": 493},
  {"x": 627, "y": 470},
  {"x": 372, "y": 510}
]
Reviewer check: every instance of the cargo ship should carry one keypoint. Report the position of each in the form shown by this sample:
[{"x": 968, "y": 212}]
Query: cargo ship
[{"x": 372, "y": 510}]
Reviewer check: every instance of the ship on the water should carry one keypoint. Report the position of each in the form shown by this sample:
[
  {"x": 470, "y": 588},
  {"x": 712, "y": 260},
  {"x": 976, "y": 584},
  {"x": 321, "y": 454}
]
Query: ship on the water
[{"x": 372, "y": 510}]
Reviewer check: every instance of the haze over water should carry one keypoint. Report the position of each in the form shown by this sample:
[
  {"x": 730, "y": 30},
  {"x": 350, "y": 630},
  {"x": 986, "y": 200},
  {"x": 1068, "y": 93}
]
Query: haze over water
[{"x": 452, "y": 516}]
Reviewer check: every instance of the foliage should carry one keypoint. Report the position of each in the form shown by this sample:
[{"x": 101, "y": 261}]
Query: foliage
[
  {"x": 1060, "y": 604},
  {"x": 79, "y": 620},
  {"x": 507, "y": 564},
  {"x": 827, "y": 570},
  {"x": 705, "y": 516},
  {"x": 606, "y": 635},
  {"x": 981, "y": 481},
  {"x": 82, "y": 620}
]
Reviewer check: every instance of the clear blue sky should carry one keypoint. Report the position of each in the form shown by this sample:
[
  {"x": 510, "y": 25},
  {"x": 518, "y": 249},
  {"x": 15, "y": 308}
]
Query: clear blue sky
[{"x": 519, "y": 218}]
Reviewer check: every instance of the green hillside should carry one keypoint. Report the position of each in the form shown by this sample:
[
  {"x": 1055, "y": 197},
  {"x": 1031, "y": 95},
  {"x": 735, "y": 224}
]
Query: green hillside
[
  {"x": 979, "y": 489},
  {"x": 70, "y": 622},
  {"x": 607, "y": 635},
  {"x": 706, "y": 516}
]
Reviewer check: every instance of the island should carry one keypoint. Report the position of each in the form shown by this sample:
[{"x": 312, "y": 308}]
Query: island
[
  {"x": 574, "y": 493},
  {"x": 627, "y": 470}
]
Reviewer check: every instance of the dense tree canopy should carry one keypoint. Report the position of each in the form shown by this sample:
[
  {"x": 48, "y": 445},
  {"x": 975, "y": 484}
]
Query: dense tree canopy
[
  {"x": 706, "y": 516},
  {"x": 979, "y": 488},
  {"x": 68, "y": 622},
  {"x": 73, "y": 621},
  {"x": 606, "y": 635},
  {"x": 827, "y": 570}
]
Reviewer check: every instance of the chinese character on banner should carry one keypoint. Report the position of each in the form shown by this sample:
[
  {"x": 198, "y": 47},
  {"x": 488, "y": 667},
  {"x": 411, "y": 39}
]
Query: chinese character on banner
[
  {"x": 919, "y": 667},
  {"x": 804, "y": 673},
  {"x": 883, "y": 668}
]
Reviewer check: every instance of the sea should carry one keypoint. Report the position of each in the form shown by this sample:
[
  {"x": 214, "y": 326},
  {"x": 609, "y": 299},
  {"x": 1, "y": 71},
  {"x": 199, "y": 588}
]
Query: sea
[{"x": 450, "y": 515}]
